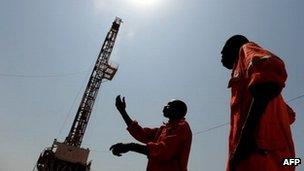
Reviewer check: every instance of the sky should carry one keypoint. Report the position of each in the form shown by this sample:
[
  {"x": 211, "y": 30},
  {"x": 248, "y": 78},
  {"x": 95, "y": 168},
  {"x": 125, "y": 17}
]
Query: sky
[{"x": 165, "y": 49}]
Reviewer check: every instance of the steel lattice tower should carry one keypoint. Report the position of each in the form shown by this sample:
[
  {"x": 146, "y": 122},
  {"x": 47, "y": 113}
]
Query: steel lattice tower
[{"x": 69, "y": 156}]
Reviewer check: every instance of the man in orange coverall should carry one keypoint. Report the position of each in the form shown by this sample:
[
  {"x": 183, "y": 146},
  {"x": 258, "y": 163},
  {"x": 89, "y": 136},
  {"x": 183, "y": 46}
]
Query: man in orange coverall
[
  {"x": 260, "y": 136},
  {"x": 166, "y": 147}
]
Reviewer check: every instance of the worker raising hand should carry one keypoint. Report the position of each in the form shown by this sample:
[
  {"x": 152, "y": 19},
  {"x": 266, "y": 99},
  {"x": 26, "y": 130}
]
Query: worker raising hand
[{"x": 120, "y": 103}]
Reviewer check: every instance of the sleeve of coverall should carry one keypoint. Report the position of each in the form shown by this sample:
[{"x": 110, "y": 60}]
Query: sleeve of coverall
[
  {"x": 168, "y": 147},
  {"x": 292, "y": 114},
  {"x": 143, "y": 135},
  {"x": 266, "y": 69}
]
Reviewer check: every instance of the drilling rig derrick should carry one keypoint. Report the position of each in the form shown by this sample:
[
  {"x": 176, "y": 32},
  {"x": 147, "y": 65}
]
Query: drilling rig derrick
[{"x": 69, "y": 155}]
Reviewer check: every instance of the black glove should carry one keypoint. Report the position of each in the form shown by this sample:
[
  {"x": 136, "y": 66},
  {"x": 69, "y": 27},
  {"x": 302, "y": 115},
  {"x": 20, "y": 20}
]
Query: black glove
[{"x": 119, "y": 148}]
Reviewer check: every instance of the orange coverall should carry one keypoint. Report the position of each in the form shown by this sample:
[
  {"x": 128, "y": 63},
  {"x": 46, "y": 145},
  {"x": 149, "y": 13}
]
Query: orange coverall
[
  {"x": 256, "y": 65},
  {"x": 168, "y": 146}
]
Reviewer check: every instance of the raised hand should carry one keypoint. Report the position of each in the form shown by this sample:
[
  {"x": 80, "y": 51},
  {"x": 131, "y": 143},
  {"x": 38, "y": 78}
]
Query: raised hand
[
  {"x": 121, "y": 107},
  {"x": 120, "y": 104}
]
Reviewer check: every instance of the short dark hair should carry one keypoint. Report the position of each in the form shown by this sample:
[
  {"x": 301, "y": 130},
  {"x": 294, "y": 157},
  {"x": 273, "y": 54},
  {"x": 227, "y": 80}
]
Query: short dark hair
[
  {"x": 180, "y": 107},
  {"x": 236, "y": 41}
]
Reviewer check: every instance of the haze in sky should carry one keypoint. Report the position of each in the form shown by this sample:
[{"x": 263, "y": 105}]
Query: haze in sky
[{"x": 165, "y": 49}]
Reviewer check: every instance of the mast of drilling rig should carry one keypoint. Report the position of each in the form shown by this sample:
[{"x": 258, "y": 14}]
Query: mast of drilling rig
[
  {"x": 102, "y": 71},
  {"x": 69, "y": 156}
]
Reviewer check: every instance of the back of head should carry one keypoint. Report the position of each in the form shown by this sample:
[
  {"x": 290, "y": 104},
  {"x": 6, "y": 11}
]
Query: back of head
[
  {"x": 235, "y": 41},
  {"x": 231, "y": 50},
  {"x": 180, "y": 108}
]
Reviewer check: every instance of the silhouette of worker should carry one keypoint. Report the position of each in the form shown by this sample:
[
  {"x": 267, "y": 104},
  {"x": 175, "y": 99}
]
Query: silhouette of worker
[
  {"x": 260, "y": 136},
  {"x": 166, "y": 147}
]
